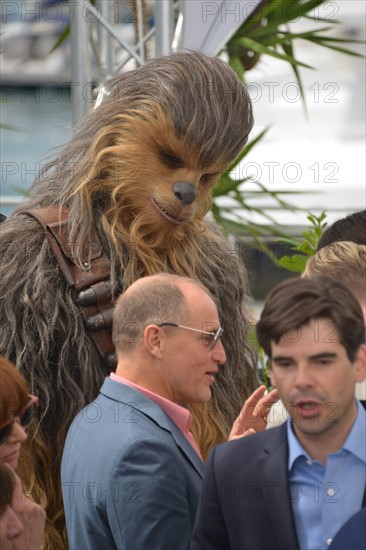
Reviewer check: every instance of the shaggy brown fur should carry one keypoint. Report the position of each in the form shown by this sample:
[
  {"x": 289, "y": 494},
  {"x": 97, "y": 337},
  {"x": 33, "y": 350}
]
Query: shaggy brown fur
[{"x": 182, "y": 118}]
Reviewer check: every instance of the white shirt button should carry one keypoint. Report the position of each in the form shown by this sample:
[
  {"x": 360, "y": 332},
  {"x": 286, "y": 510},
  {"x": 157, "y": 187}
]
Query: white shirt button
[
  {"x": 331, "y": 491},
  {"x": 309, "y": 463},
  {"x": 329, "y": 541}
]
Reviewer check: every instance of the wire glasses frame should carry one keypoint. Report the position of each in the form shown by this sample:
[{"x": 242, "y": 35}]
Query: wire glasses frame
[
  {"x": 24, "y": 418},
  {"x": 213, "y": 337}
]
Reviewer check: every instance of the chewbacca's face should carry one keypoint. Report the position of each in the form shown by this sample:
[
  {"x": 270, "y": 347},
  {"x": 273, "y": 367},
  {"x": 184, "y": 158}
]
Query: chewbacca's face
[
  {"x": 164, "y": 186},
  {"x": 161, "y": 138},
  {"x": 181, "y": 190}
]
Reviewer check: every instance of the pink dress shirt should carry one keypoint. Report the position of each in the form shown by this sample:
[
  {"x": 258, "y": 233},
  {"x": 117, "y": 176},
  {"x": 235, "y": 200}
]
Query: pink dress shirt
[{"x": 180, "y": 416}]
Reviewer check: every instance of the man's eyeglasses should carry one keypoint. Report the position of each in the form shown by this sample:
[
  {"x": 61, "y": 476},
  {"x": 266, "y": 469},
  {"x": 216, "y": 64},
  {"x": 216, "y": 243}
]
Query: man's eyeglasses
[
  {"x": 24, "y": 418},
  {"x": 210, "y": 338}
]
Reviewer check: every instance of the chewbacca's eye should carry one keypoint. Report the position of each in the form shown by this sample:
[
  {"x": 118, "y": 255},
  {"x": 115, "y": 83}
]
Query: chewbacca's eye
[
  {"x": 209, "y": 179},
  {"x": 171, "y": 160}
]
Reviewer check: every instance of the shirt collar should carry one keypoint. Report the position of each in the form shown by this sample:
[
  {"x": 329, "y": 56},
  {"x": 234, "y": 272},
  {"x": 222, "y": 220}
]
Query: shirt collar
[
  {"x": 355, "y": 442},
  {"x": 295, "y": 449},
  {"x": 180, "y": 416}
]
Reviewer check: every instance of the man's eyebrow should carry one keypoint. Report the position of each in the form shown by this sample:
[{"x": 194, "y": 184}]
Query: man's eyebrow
[
  {"x": 212, "y": 328},
  {"x": 281, "y": 358},
  {"x": 324, "y": 355}
]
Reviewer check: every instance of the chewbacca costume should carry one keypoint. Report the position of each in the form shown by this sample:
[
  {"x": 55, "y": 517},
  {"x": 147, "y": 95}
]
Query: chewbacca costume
[{"x": 133, "y": 185}]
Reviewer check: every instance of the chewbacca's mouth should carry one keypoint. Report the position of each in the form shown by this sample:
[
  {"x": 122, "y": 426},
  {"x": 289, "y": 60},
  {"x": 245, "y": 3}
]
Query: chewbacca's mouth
[{"x": 171, "y": 218}]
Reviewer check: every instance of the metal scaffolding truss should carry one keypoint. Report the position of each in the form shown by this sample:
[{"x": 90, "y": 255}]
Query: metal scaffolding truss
[{"x": 100, "y": 51}]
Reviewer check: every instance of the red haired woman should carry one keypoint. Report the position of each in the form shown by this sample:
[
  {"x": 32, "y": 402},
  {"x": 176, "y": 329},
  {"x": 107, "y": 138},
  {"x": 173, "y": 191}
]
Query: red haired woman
[{"x": 16, "y": 408}]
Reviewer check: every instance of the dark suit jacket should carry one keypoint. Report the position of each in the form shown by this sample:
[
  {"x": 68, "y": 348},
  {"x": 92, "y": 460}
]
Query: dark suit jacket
[
  {"x": 245, "y": 502},
  {"x": 130, "y": 479},
  {"x": 352, "y": 536}
]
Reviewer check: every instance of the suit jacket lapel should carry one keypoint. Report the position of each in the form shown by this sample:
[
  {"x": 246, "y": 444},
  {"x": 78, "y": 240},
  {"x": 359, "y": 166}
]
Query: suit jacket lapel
[
  {"x": 274, "y": 479},
  {"x": 187, "y": 449},
  {"x": 136, "y": 400}
]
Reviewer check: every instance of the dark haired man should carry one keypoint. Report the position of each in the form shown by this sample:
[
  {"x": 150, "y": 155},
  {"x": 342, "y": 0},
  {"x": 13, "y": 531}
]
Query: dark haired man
[{"x": 293, "y": 487}]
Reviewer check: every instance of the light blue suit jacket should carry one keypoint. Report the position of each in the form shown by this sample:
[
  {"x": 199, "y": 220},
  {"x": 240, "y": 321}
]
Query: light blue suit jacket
[{"x": 130, "y": 479}]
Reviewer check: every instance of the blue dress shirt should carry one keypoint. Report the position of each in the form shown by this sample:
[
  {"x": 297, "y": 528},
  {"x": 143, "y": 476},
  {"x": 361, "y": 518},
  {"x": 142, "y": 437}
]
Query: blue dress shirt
[{"x": 324, "y": 497}]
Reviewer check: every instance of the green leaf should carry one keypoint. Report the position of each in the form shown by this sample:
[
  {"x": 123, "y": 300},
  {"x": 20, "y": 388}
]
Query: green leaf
[
  {"x": 278, "y": 12},
  {"x": 237, "y": 66},
  {"x": 63, "y": 36},
  {"x": 289, "y": 241},
  {"x": 225, "y": 186},
  {"x": 334, "y": 39},
  {"x": 306, "y": 248},
  {"x": 283, "y": 36},
  {"x": 318, "y": 19},
  {"x": 290, "y": 10},
  {"x": 250, "y": 44},
  {"x": 295, "y": 263},
  {"x": 335, "y": 48},
  {"x": 288, "y": 49}
]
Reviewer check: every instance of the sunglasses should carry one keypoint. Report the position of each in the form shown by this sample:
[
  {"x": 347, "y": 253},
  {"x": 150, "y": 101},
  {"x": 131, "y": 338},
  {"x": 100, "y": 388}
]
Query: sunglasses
[
  {"x": 211, "y": 338},
  {"x": 24, "y": 418}
]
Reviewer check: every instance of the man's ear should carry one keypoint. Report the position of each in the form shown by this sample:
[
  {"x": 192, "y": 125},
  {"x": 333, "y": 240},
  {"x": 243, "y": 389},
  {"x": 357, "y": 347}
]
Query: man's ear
[
  {"x": 360, "y": 362},
  {"x": 154, "y": 340}
]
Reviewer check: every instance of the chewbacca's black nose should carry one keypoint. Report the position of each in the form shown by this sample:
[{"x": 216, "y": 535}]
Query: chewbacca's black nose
[{"x": 185, "y": 192}]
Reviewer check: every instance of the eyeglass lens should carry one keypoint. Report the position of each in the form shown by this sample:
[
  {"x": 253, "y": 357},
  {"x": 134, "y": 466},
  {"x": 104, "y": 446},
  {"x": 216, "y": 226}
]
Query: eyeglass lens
[{"x": 24, "y": 421}]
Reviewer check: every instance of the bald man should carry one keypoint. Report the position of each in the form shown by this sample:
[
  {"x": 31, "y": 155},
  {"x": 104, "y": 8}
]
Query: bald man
[{"x": 131, "y": 469}]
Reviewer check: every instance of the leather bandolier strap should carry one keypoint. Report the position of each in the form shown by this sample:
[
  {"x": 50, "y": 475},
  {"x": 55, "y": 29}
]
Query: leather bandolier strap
[{"x": 91, "y": 282}]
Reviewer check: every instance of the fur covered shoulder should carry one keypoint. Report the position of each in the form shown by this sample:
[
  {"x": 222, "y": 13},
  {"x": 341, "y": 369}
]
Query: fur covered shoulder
[
  {"x": 35, "y": 303},
  {"x": 28, "y": 269}
]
